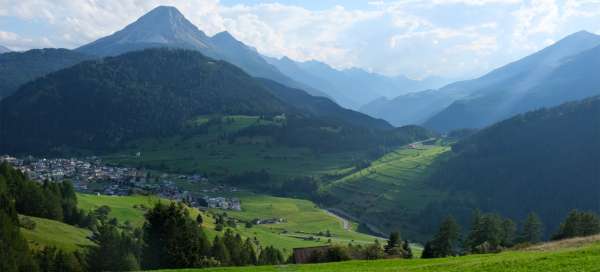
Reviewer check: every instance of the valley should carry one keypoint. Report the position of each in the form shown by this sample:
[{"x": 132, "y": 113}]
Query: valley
[{"x": 162, "y": 147}]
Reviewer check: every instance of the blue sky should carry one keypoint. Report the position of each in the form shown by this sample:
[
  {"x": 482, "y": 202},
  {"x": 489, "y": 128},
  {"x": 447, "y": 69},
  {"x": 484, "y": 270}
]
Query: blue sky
[{"x": 417, "y": 38}]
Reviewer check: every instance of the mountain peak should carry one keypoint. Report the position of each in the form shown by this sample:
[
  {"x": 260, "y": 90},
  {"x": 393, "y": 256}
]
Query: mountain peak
[
  {"x": 224, "y": 35},
  {"x": 579, "y": 37},
  {"x": 3, "y": 49},
  {"x": 165, "y": 11},
  {"x": 162, "y": 26},
  {"x": 582, "y": 33}
]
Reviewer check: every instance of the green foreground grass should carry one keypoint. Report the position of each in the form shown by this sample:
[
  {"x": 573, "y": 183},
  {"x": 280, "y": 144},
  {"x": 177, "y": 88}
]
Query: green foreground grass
[
  {"x": 53, "y": 233},
  {"x": 577, "y": 259}
]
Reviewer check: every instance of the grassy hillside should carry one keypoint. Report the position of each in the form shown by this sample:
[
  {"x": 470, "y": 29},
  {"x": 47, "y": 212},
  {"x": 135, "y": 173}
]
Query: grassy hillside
[
  {"x": 122, "y": 208},
  {"x": 391, "y": 190},
  {"x": 53, "y": 233},
  {"x": 304, "y": 219},
  {"x": 212, "y": 153},
  {"x": 567, "y": 259}
]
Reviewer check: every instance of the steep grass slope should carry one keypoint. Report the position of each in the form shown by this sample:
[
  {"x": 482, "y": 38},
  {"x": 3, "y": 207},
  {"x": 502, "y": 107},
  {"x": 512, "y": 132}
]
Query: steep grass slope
[
  {"x": 392, "y": 190},
  {"x": 53, "y": 233}
]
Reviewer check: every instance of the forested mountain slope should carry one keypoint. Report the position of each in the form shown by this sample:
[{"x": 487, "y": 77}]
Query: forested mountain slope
[
  {"x": 17, "y": 68},
  {"x": 157, "y": 92},
  {"x": 97, "y": 104},
  {"x": 545, "y": 161}
]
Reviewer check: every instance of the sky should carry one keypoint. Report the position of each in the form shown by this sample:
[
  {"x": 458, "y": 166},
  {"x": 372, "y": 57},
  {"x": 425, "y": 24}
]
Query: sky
[{"x": 417, "y": 38}]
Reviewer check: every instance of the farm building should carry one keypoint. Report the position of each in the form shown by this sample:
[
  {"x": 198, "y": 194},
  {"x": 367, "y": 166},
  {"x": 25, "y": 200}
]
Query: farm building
[{"x": 304, "y": 254}]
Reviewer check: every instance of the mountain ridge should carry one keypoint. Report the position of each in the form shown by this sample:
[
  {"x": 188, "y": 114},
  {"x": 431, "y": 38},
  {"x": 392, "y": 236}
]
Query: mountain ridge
[
  {"x": 111, "y": 96},
  {"x": 352, "y": 87},
  {"x": 515, "y": 78},
  {"x": 4, "y": 49},
  {"x": 520, "y": 86},
  {"x": 17, "y": 68},
  {"x": 165, "y": 26}
]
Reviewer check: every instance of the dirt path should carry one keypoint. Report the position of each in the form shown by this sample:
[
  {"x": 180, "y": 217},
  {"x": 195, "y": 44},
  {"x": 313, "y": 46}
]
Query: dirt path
[{"x": 345, "y": 222}]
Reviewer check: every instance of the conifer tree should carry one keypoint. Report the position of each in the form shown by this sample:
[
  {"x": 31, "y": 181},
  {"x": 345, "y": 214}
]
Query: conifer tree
[{"x": 533, "y": 229}]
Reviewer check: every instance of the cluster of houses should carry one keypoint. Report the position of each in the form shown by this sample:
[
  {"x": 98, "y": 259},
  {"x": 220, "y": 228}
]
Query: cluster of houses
[
  {"x": 223, "y": 203},
  {"x": 268, "y": 221},
  {"x": 91, "y": 175},
  {"x": 80, "y": 172}
]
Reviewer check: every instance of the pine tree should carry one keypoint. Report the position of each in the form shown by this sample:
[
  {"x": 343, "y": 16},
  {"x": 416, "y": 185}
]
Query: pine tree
[
  {"x": 14, "y": 251},
  {"x": 445, "y": 241},
  {"x": 270, "y": 255},
  {"x": 249, "y": 253},
  {"x": 533, "y": 229},
  {"x": 393, "y": 243},
  {"x": 172, "y": 239},
  {"x": 578, "y": 224},
  {"x": 509, "y": 230},
  {"x": 219, "y": 251},
  {"x": 115, "y": 251}
]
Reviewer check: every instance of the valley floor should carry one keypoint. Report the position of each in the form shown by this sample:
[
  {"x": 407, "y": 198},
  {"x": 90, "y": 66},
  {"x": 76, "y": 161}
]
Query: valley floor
[{"x": 568, "y": 256}]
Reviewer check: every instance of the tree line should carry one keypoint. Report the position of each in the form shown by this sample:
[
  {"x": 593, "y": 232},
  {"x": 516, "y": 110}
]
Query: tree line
[{"x": 490, "y": 233}]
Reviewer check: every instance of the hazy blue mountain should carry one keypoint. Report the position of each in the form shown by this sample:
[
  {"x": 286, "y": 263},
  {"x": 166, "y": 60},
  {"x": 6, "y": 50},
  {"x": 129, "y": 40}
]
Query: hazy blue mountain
[
  {"x": 165, "y": 26},
  {"x": 561, "y": 72},
  {"x": 17, "y": 68},
  {"x": 321, "y": 107},
  {"x": 4, "y": 49},
  {"x": 351, "y": 88},
  {"x": 413, "y": 108},
  {"x": 446, "y": 108}
]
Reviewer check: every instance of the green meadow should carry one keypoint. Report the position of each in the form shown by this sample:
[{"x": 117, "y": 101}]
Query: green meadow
[
  {"x": 128, "y": 208},
  {"x": 303, "y": 219},
  {"x": 210, "y": 152},
  {"x": 53, "y": 233},
  {"x": 304, "y": 224},
  {"x": 576, "y": 258}
]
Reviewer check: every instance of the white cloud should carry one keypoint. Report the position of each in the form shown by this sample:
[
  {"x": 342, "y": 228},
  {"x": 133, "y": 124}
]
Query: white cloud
[
  {"x": 414, "y": 37},
  {"x": 15, "y": 42},
  {"x": 476, "y": 2}
]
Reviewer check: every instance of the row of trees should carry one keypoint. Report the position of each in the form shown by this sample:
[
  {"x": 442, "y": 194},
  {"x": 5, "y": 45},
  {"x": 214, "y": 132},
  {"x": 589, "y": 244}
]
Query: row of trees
[
  {"x": 394, "y": 248},
  {"x": 492, "y": 233},
  {"x": 488, "y": 233}
]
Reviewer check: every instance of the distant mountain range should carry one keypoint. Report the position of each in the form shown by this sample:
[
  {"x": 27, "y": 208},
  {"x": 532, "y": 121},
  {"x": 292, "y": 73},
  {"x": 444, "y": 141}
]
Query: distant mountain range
[
  {"x": 3, "y": 49},
  {"x": 354, "y": 87},
  {"x": 538, "y": 80},
  {"x": 100, "y": 104},
  {"x": 166, "y": 27},
  {"x": 18, "y": 68}
]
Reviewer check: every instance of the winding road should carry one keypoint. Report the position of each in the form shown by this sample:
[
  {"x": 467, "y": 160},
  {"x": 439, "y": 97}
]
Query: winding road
[{"x": 345, "y": 221}]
